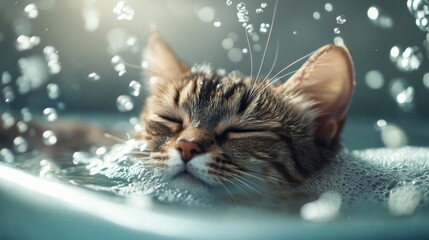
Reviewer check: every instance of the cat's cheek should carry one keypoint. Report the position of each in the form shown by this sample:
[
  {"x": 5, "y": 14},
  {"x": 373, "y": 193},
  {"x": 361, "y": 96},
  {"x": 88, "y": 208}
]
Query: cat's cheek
[{"x": 198, "y": 167}]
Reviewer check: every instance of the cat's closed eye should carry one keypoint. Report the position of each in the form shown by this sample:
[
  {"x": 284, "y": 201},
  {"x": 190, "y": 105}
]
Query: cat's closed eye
[{"x": 234, "y": 133}]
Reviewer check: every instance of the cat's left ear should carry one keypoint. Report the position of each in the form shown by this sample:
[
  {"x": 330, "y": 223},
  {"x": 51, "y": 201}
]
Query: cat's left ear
[
  {"x": 162, "y": 62},
  {"x": 327, "y": 78}
]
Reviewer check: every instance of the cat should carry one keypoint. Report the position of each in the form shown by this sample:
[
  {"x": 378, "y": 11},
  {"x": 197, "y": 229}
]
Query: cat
[{"x": 225, "y": 131}]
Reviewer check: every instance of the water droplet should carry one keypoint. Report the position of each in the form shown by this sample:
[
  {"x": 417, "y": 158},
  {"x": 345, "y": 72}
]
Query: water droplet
[
  {"x": 259, "y": 10},
  {"x": 227, "y": 43},
  {"x": 123, "y": 11},
  {"x": 380, "y": 124},
  {"x": 26, "y": 115},
  {"x": 8, "y": 120},
  {"x": 408, "y": 60},
  {"x": 219, "y": 86},
  {"x": 393, "y": 136},
  {"x": 338, "y": 41},
  {"x": 228, "y": 2},
  {"x": 337, "y": 30},
  {"x": 241, "y": 6},
  {"x": 373, "y": 13},
  {"x": 25, "y": 42},
  {"x": 50, "y": 114},
  {"x": 206, "y": 14},
  {"x": 257, "y": 47},
  {"x": 316, "y": 15},
  {"x": 93, "y": 76},
  {"x": 53, "y": 90},
  {"x": 51, "y": 56},
  {"x": 423, "y": 23},
  {"x": 20, "y": 144},
  {"x": 328, "y": 7},
  {"x": 31, "y": 10},
  {"x": 217, "y": 23},
  {"x": 244, "y": 50},
  {"x": 374, "y": 79},
  {"x": 378, "y": 18},
  {"x": 426, "y": 80},
  {"x": 134, "y": 88},
  {"x": 22, "y": 127},
  {"x": 235, "y": 55},
  {"x": 49, "y": 138},
  {"x": 295, "y": 32},
  {"x": 124, "y": 103},
  {"x": 403, "y": 93},
  {"x": 6, "y": 156},
  {"x": 6, "y": 78},
  {"x": 264, "y": 5},
  {"x": 341, "y": 19},
  {"x": 8, "y": 94}
]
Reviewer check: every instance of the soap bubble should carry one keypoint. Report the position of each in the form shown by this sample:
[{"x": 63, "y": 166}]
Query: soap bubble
[
  {"x": 49, "y": 138},
  {"x": 123, "y": 11},
  {"x": 53, "y": 90},
  {"x": 6, "y": 156},
  {"x": 341, "y": 19},
  {"x": 134, "y": 88},
  {"x": 374, "y": 79},
  {"x": 50, "y": 114},
  {"x": 20, "y": 144},
  {"x": 124, "y": 103},
  {"x": 31, "y": 10}
]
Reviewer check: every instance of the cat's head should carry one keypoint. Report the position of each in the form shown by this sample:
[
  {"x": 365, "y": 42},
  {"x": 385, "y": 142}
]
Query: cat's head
[{"x": 205, "y": 128}]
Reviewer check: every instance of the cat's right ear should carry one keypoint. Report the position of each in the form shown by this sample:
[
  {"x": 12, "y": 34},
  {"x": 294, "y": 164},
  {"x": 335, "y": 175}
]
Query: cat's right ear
[{"x": 162, "y": 63}]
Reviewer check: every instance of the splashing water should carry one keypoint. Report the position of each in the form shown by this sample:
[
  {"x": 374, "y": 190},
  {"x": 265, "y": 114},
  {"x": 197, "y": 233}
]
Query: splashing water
[{"x": 123, "y": 11}]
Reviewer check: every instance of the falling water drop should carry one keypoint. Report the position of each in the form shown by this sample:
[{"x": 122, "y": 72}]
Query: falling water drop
[
  {"x": 341, "y": 19},
  {"x": 93, "y": 76},
  {"x": 217, "y": 23},
  {"x": 134, "y": 88}
]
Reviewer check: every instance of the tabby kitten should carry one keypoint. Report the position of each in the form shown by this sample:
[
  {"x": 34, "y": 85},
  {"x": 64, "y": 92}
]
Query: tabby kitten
[{"x": 226, "y": 131}]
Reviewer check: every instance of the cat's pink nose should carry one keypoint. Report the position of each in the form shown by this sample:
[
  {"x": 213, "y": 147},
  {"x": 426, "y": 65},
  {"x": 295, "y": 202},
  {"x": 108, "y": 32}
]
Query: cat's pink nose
[{"x": 187, "y": 149}]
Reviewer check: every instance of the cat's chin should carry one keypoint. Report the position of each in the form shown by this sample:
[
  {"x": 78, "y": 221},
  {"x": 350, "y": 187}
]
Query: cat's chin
[{"x": 187, "y": 181}]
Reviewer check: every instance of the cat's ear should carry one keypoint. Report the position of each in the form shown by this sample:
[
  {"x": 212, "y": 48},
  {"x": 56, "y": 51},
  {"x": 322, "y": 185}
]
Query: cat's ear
[
  {"x": 327, "y": 78},
  {"x": 162, "y": 62}
]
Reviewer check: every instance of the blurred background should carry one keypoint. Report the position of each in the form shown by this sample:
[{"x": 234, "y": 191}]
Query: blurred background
[{"x": 83, "y": 58}]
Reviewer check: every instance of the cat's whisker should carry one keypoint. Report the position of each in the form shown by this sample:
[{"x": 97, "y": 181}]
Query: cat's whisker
[
  {"x": 274, "y": 61},
  {"x": 139, "y": 153},
  {"x": 243, "y": 181},
  {"x": 250, "y": 53},
  {"x": 110, "y": 136},
  {"x": 227, "y": 190},
  {"x": 133, "y": 66},
  {"x": 250, "y": 175},
  {"x": 268, "y": 39}
]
